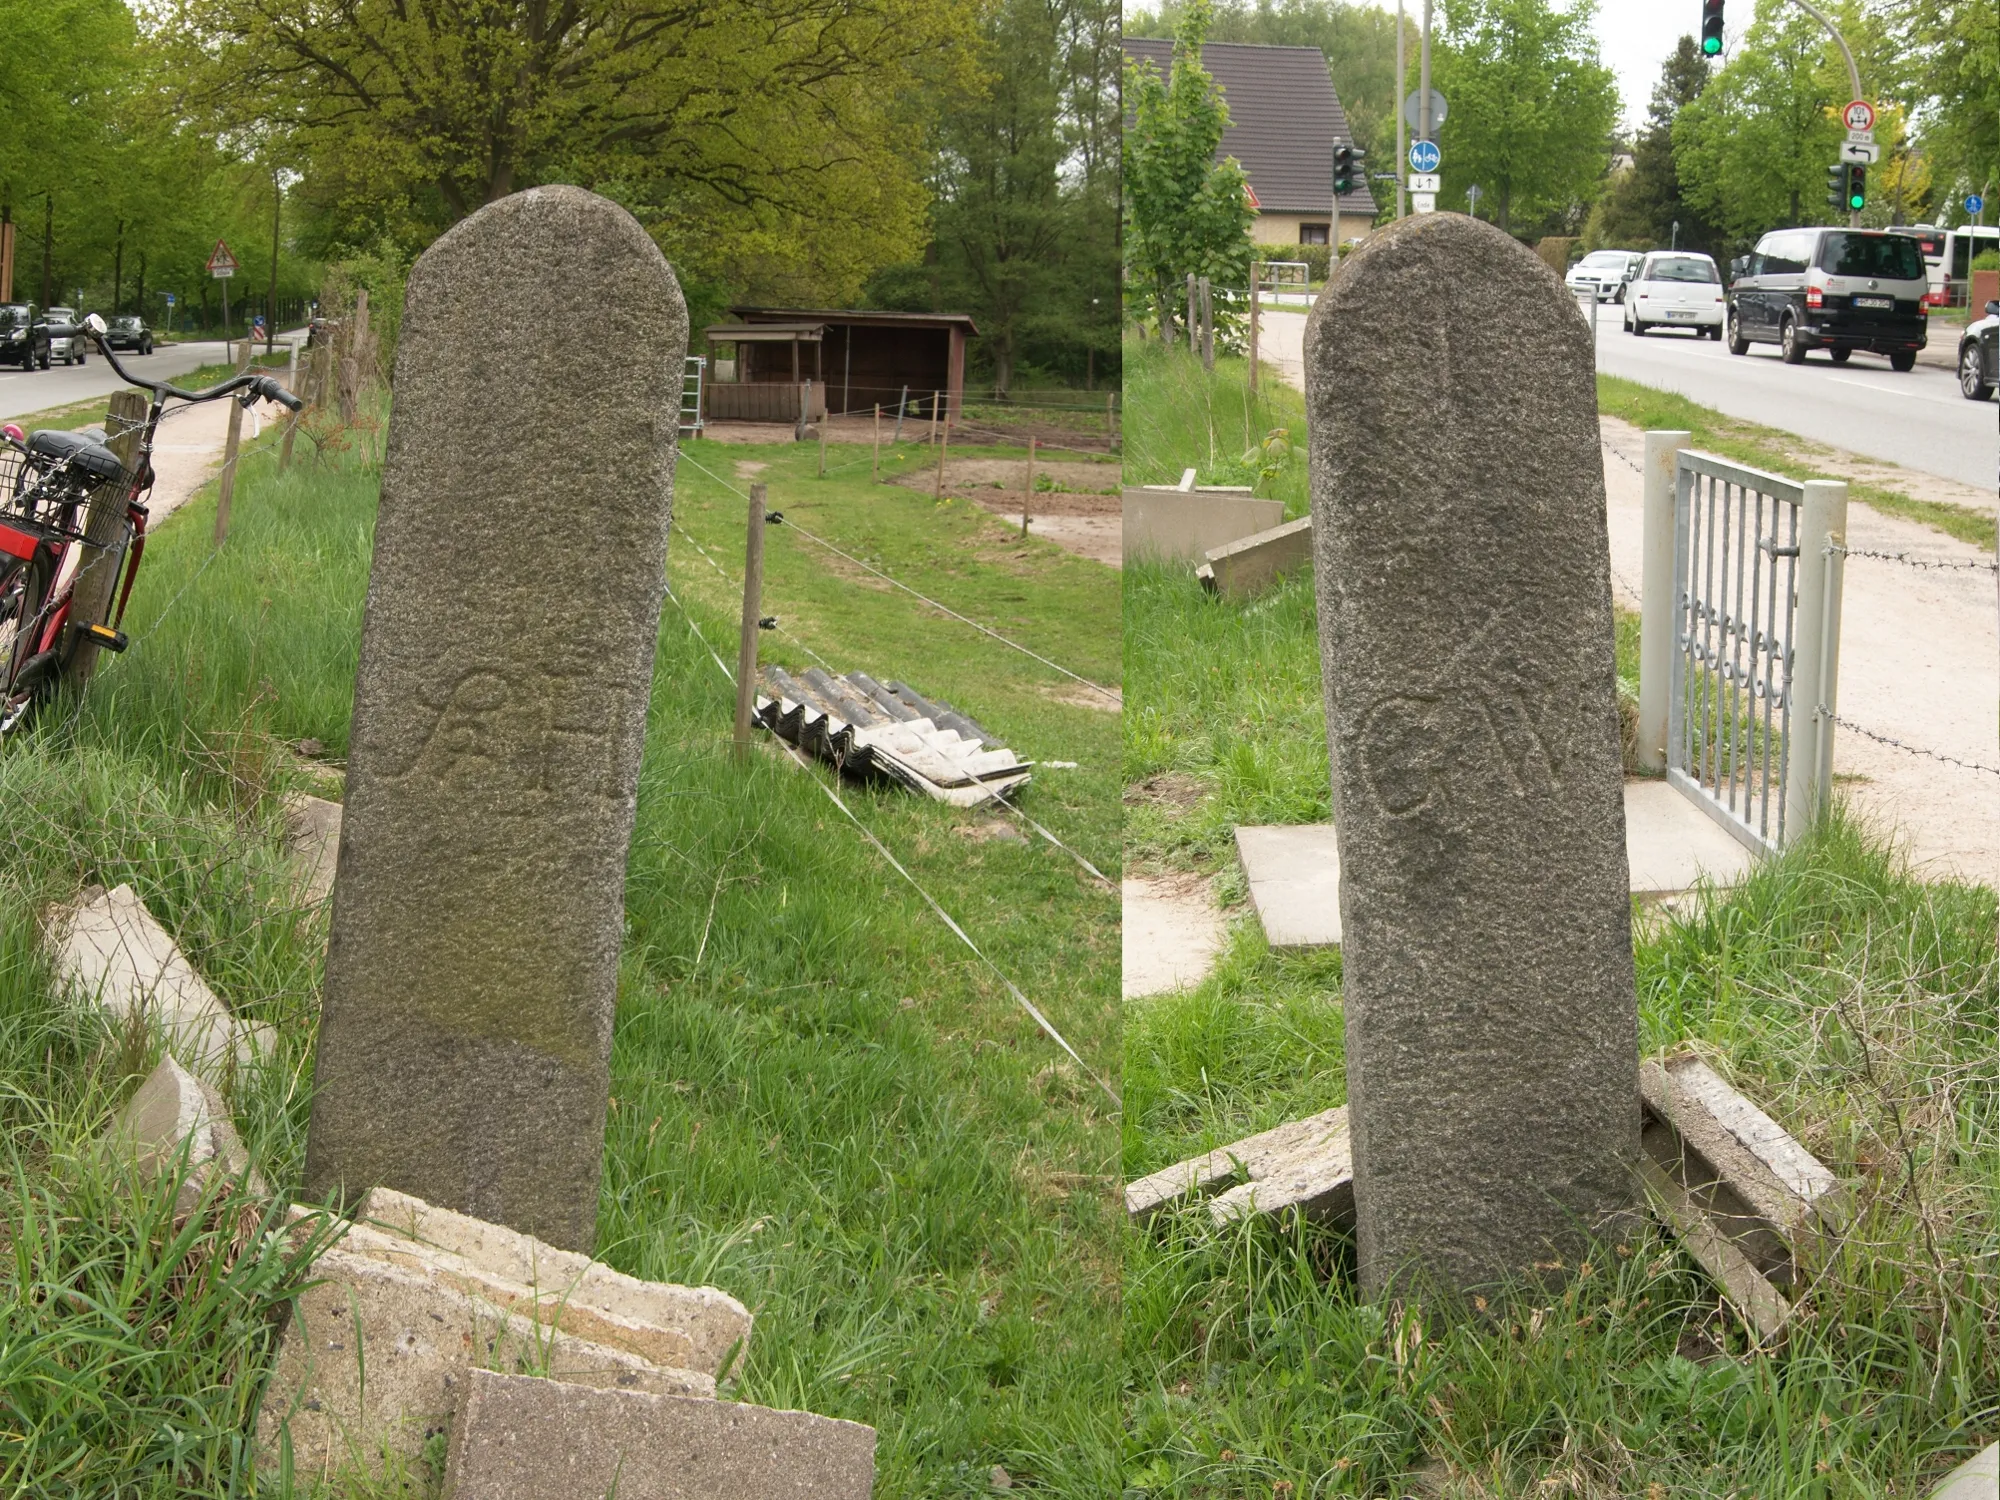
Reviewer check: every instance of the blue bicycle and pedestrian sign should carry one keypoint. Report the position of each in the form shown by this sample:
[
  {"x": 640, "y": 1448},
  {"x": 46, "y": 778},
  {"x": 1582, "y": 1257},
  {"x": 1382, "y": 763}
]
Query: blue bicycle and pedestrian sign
[
  {"x": 1974, "y": 203},
  {"x": 1425, "y": 156}
]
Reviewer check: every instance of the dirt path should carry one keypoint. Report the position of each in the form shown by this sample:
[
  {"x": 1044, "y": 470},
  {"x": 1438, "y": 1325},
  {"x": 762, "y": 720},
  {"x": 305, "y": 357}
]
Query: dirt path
[
  {"x": 187, "y": 450},
  {"x": 1919, "y": 661}
]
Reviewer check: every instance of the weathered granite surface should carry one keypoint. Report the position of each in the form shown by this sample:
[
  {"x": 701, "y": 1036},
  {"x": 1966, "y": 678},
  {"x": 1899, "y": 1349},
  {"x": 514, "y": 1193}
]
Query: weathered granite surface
[
  {"x": 1466, "y": 635},
  {"x": 506, "y": 664}
]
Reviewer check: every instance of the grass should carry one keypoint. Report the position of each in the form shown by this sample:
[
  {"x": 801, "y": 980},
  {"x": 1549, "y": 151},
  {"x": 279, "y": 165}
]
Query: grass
[
  {"x": 821, "y": 1101},
  {"x": 1780, "y": 452},
  {"x": 1177, "y": 417},
  {"x": 1854, "y": 1002}
]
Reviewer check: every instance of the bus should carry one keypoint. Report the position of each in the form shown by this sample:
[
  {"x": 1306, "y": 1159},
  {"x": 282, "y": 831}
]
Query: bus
[{"x": 1948, "y": 257}]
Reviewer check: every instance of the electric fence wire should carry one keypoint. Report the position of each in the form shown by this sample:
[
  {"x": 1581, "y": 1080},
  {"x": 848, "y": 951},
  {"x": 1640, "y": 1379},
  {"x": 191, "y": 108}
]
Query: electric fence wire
[
  {"x": 1034, "y": 1012},
  {"x": 1109, "y": 695}
]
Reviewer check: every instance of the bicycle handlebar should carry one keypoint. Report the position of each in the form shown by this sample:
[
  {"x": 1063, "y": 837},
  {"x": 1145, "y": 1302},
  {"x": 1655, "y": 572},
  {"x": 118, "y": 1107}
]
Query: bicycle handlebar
[{"x": 262, "y": 385}]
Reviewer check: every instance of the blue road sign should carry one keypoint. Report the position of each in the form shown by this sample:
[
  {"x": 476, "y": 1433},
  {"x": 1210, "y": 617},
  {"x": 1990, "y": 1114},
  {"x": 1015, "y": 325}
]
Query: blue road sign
[
  {"x": 170, "y": 299},
  {"x": 1974, "y": 203},
  {"x": 1425, "y": 156}
]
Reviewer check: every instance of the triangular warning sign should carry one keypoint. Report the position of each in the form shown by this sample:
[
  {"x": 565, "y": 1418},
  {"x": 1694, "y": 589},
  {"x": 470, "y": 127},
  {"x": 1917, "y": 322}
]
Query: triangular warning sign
[{"x": 221, "y": 259}]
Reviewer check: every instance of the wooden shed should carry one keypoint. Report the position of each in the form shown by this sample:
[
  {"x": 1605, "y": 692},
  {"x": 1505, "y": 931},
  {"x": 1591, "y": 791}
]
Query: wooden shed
[{"x": 854, "y": 361}]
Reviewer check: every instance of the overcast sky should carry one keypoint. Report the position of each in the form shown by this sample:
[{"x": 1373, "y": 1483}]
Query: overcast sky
[{"x": 1634, "y": 38}]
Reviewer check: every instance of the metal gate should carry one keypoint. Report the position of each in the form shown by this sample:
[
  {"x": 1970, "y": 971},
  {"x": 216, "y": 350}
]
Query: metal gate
[
  {"x": 1755, "y": 621},
  {"x": 691, "y": 407}
]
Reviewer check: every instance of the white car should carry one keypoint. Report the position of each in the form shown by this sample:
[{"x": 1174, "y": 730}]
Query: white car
[
  {"x": 64, "y": 350},
  {"x": 1676, "y": 289},
  {"x": 1603, "y": 274}
]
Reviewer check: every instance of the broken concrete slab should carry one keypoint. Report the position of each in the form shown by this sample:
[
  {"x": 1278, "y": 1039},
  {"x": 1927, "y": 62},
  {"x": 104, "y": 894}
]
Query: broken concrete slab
[
  {"x": 1294, "y": 869},
  {"x": 1294, "y": 875},
  {"x": 1170, "y": 933},
  {"x": 1242, "y": 568},
  {"x": 109, "y": 951},
  {"x": 1303, "y": 1164},
  {"x": 553, "y": 1305},
  {"x": 312, "y": 840},
  {"x": 374, "y": 1362},
  {"x": 1760, "y": 1304},
  {"x": 173, "y": 1108},
  {"x": 710, "y": 1322},
  {"x": 1759, "y": 1188},
  {"x": 1183, "y": 525},
  {"x": 1671, "y": 845},
  {"x": 526, "y": 1439},
  {"x": 1976, "y": 1479}
]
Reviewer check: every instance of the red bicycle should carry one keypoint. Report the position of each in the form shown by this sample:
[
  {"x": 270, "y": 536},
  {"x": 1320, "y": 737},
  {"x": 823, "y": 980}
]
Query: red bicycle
[{"x": 67, "y": 504}]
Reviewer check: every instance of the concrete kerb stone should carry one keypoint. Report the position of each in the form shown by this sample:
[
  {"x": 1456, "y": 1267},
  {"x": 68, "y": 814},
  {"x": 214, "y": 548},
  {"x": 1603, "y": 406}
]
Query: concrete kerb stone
[
  {"x": 524, "y": 1439},
  {"x": 1180, "y": 526},
  {"x": 109, "y": 951},
  {"x": 173, "y": 1109},
  {"x": 1242, "y": 568},
  {"x": 312, "y": 840},
  {"x": 1466, "y": 637},
  {"x": 1303, "y": 1164},
  {"x": 1975, "y": 1479},
  {"x": 373, "y": 1363}
]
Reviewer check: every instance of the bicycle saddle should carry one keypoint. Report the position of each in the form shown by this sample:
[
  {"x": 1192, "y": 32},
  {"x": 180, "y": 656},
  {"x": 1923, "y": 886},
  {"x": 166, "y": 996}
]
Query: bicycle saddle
[{"x": 76, "y": 448}]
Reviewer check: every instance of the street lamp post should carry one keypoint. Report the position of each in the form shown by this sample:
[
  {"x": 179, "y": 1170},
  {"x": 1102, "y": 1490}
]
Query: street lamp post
[
  {"x": 1853, "y": 74},
  {"x": 1675, "y": 242}
]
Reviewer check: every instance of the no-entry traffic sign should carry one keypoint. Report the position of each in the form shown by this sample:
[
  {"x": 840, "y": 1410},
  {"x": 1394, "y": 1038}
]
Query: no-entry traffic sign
[{"x": 1859, "y": 115}]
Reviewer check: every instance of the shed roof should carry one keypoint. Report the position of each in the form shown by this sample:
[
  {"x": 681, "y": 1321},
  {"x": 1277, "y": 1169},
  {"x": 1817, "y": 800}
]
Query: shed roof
[
  {"x": 1284, "y": 120},
  {"x": 856, "y": 317}
]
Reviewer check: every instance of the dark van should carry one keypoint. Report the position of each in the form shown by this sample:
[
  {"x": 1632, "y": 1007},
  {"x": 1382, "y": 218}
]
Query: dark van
[{"x": 1833, "y": 289}]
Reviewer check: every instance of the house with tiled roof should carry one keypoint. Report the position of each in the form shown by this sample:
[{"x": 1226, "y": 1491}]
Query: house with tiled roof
[{"x": 1284, "y": 121}]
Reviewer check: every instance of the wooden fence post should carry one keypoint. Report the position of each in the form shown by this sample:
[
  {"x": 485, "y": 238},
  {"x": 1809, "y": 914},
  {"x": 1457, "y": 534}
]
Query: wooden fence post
[
  {"x": 875, "y": 472},
  {"x": 1256, "y": 269},
  {"x": 1028, "y": 499},
  {"x": 226, "y": 487},
  {"x": 944, "y": 454},
  {"x": 746, "y": 650},
  {"x": 823, "y": 421}
]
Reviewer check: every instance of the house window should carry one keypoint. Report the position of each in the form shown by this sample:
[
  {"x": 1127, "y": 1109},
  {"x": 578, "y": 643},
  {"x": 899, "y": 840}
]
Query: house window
[{"x": 1314, "y": 234}]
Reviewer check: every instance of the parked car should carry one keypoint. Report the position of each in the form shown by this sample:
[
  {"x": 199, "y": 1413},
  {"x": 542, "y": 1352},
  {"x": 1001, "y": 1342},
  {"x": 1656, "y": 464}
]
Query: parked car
[
  {"x": 1979, "y": 356},
  {"x": 129, "y": 332},
  {"x": 65, "y": 347},
  {"x": 1675, "y": 289},
  {"x": 1604, "y": 274},
  {"x": 24, "y": 336},
  {"x": 1833, "y": 289}
]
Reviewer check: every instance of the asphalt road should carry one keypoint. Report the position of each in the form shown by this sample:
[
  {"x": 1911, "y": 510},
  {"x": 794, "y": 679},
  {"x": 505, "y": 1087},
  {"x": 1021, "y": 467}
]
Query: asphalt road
[
  {"x": 1918, "y": 420},
  {"x": 60, "y": 385}
]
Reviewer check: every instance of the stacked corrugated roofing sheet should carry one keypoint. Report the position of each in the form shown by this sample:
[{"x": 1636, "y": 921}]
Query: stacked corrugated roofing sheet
[{"x": 865, "y": 727}]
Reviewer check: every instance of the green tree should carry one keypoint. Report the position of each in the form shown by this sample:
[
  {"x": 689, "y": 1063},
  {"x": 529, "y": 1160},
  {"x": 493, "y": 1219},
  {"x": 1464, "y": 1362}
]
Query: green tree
[
  {"x": 1641, "y": 206},
  {"x": 1952, "y": 48},
  {"x": 1531, "y": 109},
  {"x": 1186, "y": 213},
  {"x": 781, "y": 139},
  {"x": 1752, "y": 152}
]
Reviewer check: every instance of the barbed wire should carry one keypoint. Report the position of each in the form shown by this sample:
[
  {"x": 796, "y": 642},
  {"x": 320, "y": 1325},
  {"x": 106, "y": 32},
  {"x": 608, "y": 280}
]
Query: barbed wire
[
  {"x": 1903, "y": 745},
  {"x": 1911, "y": 560},
  {"x": 1623, "y": 457},
  {"x": 1048, "y": 1027}
]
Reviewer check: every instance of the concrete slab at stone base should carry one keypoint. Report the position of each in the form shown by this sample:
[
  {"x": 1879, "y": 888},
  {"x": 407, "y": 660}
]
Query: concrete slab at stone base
[
  {"x": 312, "y": 839},
  {"x": 519, "y": 1438},
  {"x": 1294, "y": 870},
  {"x": 1976, "y": 1479},
  {"x": 1171, "y": 933},
  {"x": 1306, "y": 1165},
  {"x": 172, "y": 1109}
]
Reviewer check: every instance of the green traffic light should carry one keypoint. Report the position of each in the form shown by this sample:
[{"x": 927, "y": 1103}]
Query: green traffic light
[
  {"x": 1856, "y": 202},
  {"x": 1711, "y": 45}
]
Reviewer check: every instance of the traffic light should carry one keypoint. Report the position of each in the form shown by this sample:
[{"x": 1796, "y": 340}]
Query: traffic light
[
  {"x": 1857, "y": 188},
  {"x": 1346, "y": 169},
  {"x": 1711, "y": 28},
  {"x": 1836, "y": 185}
]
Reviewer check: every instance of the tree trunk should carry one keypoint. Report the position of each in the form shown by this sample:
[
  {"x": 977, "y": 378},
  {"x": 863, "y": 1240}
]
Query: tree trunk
[
  {"x": 48, "y": 248},
  {"x": 118, "y": 272},
  {"x": 139, "y": 292},
  {"x": 1506, "y": 205}
]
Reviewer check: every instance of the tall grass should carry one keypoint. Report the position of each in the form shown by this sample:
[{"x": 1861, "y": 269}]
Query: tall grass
[
  {"x": 1178, "y": 416},
  {"x": 821, "y": 1101}
]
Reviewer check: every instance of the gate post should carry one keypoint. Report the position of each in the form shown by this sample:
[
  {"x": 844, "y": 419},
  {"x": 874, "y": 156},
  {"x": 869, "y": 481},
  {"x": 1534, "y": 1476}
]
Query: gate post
[
  {"x": 1657, "y": 586},
  {"x": 1816, "y": 661}
]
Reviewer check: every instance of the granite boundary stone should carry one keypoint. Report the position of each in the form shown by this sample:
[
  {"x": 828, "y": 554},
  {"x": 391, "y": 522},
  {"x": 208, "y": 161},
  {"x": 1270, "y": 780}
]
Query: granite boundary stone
[
  {"x": 472, "y": 965},
  {"x": 348, "y": 1404},
  {"x": 1460, "y": 553},
  {"x": 525, "y": 1439}
]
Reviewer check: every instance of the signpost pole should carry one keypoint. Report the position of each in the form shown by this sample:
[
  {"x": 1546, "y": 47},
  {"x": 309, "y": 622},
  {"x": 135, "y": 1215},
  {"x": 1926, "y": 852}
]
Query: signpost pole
[
  {"x": 1424, "y": 78},
  {"x": 1402, "y": 74}
]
